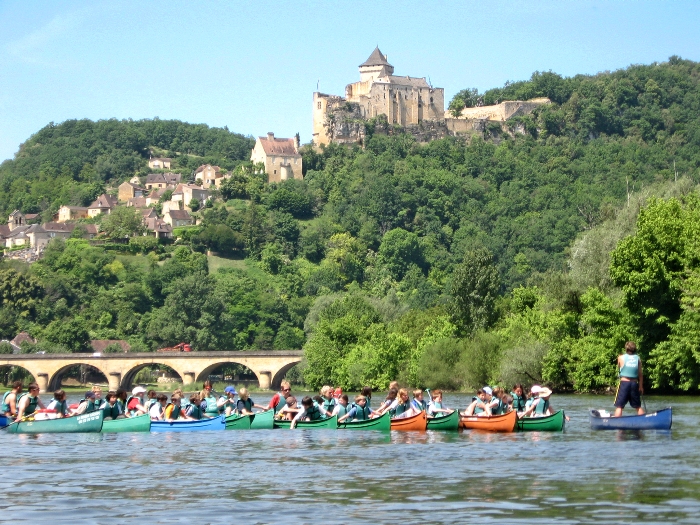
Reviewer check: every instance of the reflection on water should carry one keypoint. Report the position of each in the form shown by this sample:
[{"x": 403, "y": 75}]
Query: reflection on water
[{"x": 324, "y": 476}]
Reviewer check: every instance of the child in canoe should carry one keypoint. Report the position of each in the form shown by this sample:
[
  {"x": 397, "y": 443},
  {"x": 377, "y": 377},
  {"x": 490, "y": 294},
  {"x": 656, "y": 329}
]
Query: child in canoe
[
  {"x": 227, "y": 403},
  {"x": 418, "y": 404},
  {"x": 341, "y": 408},
  {"x": 157, "y": 411},
  {"x": 390, "y": 402},
  {"x": 309, "y": 412},
  {"x": 359, "y": 410},
  {"x": 9, "y": 400},
  {"x": 245, "y": 405},
  {"x": 327, "y": 403},
  {"x": 111, "y": 408},
  {"x": 193, "y": 411},
  {"x": 482, "y": 404},
  {"x": 435, "y": 407},
  {"x": 403, "y": 407},
  {"x": 289, "y": 409},
  {"x": 519, "y": 399},
  {"x": 58, "y": 404}
]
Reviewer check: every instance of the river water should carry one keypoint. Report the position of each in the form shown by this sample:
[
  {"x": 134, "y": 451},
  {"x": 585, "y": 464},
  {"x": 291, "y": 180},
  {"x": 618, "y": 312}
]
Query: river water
[{"x": 328, "y": 477}]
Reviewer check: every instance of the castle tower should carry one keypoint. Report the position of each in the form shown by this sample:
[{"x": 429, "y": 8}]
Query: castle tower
[{"x": 375, "y": 66}]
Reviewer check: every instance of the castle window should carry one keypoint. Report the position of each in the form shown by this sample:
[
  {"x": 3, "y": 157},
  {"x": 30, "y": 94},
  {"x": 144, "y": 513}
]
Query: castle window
[{"x": 319, "y": 105}]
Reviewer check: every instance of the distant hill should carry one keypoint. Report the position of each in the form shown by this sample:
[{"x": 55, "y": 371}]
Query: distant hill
[{"x": 70, "y": 162}]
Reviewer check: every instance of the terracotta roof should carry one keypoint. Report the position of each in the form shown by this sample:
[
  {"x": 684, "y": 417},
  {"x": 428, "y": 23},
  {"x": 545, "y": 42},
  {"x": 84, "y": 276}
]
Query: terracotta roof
[
  {"x": 275, "y": 146},
  {"x": 149, "y": 213},
  {"x": 105, "y": 201},
  {"x": 4, "y": 230},
  {"x": 21, "y": 338},
  {"x": 155, "y": 178},
  {"x": 91, "y": 228},
  {"x": 180, "y": 215},
  {"x": 56, "y": 226},
  {"x": 157, "y": 193},
  {"x": 30, "y": 216},
  {"x": 217, "y": 169},
  {"x": 99, "y": 345},
  {"x": 172, "y": 178},
  {"x": 376, "y": 59},
  {"x": 178, "y": 189}
]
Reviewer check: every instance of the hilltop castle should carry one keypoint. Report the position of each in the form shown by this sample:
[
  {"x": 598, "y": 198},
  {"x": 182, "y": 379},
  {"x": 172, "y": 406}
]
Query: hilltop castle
[{"x": 409, "y": 102}]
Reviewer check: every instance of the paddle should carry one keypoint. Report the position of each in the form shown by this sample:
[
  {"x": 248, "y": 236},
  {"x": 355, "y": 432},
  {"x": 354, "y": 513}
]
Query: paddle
[
  {"x": 13, "y": 421},
  {"x": 644, "y": 404}
]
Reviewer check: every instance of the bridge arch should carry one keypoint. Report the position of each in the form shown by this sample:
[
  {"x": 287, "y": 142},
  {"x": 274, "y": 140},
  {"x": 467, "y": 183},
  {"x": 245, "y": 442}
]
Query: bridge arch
[
  {"x": 54, "y": 382},
  {"x": 127, "y": 379},
  {"x": 9, "y": 374},
  {"x": 279, "y": 376},
  {"x": 206, "y": 372}
]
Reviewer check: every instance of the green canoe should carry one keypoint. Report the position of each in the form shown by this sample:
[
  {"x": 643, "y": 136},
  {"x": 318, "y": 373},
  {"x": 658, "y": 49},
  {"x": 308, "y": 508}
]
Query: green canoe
[
  {"x": 237, "y": 422},
  {"x": 128, "y": 424},
  {"x": 263, "y": 420},
  {"x": 553, "y": 423},
  {"x": 446, "y": 422},
  {"x": 331, "y": 422},
  {"x": 91, "y": 422},
  {"x": 382, "y": 422}
]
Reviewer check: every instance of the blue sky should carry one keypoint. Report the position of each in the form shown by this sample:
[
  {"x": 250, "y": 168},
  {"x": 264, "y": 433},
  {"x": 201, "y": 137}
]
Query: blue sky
[{"x": 253, "y": 66}]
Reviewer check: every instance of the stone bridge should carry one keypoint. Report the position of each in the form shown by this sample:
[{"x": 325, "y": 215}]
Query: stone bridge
[{"x": 269, "y": 367}]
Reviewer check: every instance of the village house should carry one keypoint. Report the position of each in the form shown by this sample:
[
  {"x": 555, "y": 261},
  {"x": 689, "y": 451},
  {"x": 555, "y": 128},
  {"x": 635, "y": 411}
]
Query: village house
[
  {"x": 162, "y": 180},
  {"x": 135, "y": 180},
  {"x": 208, "y": 174},
  {"x": 154, "y": 197},
  {"x": 100, "y": 345},
  {"x": 280, "y": 156},
  {"x": 159, "y": 228},
  {"x": 13, "y": 233},
  {"x": 159, "y": 163},
  {"x": 177, "y": 218},
  {"x": 103, "y": 204},
  {"x": 127, "y": 191},
  {"x": 72, "y": 213},
  {"x": 148, "y": 213},
  {"x": 137, "y": 202},
  {"x": 41, "y": 234},
  {"x": 166, "y": 206},
  {"x": 22, "y": 337},
  {"x": 187, "y": 192}
]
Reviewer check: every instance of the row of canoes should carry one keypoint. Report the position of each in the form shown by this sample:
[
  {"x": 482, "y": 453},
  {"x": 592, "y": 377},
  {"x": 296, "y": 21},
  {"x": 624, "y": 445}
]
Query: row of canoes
[{"x": 510, "y": 422}]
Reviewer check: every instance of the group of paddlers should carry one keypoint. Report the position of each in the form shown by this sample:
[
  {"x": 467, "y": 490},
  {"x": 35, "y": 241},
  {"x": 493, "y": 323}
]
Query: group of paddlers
[{"x": 330, "y": 402}]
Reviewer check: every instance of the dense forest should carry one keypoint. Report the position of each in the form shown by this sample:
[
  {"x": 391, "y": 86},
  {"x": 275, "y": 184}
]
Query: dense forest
[{"x": 530, "y": 252}]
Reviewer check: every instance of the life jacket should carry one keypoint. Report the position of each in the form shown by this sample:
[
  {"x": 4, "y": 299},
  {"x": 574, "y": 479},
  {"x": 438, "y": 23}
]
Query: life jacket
[
  {"x": 542, "y": 407},
  {"x": 401, "y": 408},
  {"x": 630, "y": 366},
  {"x": 361, "y": 413},
  {"x": 5, "y": 407},
  {"x": 31, "y": 407},
  {"x": 112, "y": 411},
  {"x": 280, "y": 403},
  {"x": 434, "y": 405},
  {"x": 175, "y": 411},
  {"x": 418, "y": 405},
  {"x": 120, "y": 404},
  {"x": 133, "y": 411},
  {"x": 519, "y": 403},
  {"x": 329, "y": 404},
  {"x": 99, "y": 403},
  {"x": 477, "y": 408},
  {"x": 212, "y": 410},
  {"x": 499, "y": 408},
  {"x": 313, "y": 413},
  {"x": 90, "y": 405},
  {"x": 248, "y": 403},
  {"x": 342, "y": 410},
  {"x": 150, "y": 403},
  {"x": 194, "y": 411}
]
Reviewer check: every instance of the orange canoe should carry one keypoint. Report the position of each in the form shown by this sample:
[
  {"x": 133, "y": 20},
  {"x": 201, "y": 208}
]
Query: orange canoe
[
  {"x": 417, "y": 422},
  {"x": 502, "y": 423}
]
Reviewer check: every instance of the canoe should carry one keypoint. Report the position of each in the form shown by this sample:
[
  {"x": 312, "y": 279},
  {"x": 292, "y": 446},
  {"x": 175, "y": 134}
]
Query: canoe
[
  {"x": 237, "y": 422},
  {"x": 91, "y": 422},
  {"x": 502, "y": 423},
  {"x": 331, "y": 422},
  {"x": 128, "y": 424},
  {"x": 4, "y": 421},
  {"x": 553, "y": 423},
  {"x": 263, "y": 420},
  {"x": 213, "y": 423},
  {"x": 660, "y": 420},
  {"x": 447, "y": 422},
  {"x": 417, "y": 422},
  {"x": 382, "y": 422}
]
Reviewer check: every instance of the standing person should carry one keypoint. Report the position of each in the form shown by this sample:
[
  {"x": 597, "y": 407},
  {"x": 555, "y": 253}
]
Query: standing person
[
  {"x": 631, "y": 385},
  {"x": 9, "y": 400},
  {"x": 227, "y": 402},
  {"x": 58, "y": 403},
  {"x": 28, "y": 402},
  {"x": 111, "y": 408},
  {"x": 135, "y": 403},
  {"x": 245, "y": 404},
  {"x": 278, "y": 400},
  {"x": 519, "y": 399}
]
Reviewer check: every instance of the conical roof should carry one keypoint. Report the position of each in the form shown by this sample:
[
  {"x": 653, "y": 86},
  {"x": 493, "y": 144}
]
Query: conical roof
[{"x": 376, "y": 59}]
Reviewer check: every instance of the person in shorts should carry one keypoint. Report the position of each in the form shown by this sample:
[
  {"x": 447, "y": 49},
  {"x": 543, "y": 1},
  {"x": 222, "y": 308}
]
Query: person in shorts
[{"x": 631, "y": 385}]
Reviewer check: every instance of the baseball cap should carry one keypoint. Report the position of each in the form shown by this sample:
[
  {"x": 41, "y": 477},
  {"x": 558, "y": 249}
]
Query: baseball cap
[
  {"x": 230, "y": 390},
  {"x": 488, "y": 390},
  {"x": 138, "y": 390},
  {"x": 89, "y": 394}
]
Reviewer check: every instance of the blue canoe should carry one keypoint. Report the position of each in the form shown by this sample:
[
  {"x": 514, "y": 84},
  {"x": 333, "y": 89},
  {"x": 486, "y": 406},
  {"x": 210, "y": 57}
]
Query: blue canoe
[
  {"x": 214, "y": 423},
  {"x": 4, "y": 421},
  {"x": 660, "y": 420}
]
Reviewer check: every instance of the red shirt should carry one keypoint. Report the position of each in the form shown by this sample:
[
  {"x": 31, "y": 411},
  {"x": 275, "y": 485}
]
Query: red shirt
[
  {"x": 273, "y": 402},
  {"x": 133, "y": 404}
]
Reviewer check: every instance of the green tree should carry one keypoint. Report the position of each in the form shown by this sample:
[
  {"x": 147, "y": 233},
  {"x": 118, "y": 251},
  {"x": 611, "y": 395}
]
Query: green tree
[
  {"x": 400, "y": 250},
  {"x": 474, "y": 291},
  {"x": 123, "y": 222}
]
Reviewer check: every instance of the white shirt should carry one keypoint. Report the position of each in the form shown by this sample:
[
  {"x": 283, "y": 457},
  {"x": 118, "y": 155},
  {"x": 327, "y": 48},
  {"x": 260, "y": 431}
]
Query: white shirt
[{"x": 156, "y": 412}]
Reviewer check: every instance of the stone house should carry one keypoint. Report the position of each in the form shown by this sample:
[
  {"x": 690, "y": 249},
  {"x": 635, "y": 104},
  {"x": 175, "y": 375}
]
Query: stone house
[
  {"x": 187, "y": 192},
  {"x": 148, "y": 213},
  {"x": 154, "y": 197},
  {"x": 103, "y": 204},
  {"x": 22, "y": 337},
  {"x": 177, "y": 218},
  {"x": 128, "y": 190},
  {"x": 72, "y": 213},
  {"x": 99, "y": 345},
  {"x": 208, "y": 174},
  {"x": 13, "y": 233},
  {"x": 162, "y": 180},
  {"x": 280, "y": 156},
  {"x": 137, "y": 202},
  {"x": 159, "y": 228},
  {"x": 172, "y": 205},
  {"x": 159, "y": 163},
  {"x": 41, "y": 234}
]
